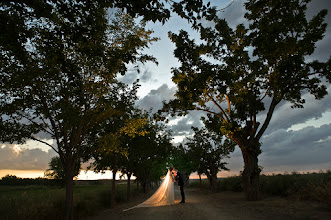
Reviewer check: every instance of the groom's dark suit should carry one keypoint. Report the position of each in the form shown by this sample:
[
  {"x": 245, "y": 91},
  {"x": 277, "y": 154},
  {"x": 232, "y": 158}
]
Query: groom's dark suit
[{"x": 180, "y": 180}]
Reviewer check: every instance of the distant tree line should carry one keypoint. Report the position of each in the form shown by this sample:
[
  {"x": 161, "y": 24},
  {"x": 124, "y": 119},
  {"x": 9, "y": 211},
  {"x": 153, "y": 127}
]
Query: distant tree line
[{"x": 12, "y": 180}]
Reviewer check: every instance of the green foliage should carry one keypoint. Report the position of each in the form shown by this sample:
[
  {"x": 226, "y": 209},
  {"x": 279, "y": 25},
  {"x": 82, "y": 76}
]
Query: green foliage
[
  {"x": 182, "y": 160},
  {"x": 57, "y": 171},
  {"x": 206, "y": 150},
  {"x": 148, "y": 155},
  {"x": 309, "y": 186},
  {"x": 233, "y": 183},
  {"x": 112, "y": 137}
]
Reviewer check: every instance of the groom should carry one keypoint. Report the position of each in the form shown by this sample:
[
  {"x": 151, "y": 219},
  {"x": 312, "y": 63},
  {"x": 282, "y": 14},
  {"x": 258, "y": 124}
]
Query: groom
[{"x": 180, "y": 181}]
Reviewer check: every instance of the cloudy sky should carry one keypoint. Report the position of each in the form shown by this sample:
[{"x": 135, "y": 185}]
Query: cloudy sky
[{"x": 296, "y": 139}]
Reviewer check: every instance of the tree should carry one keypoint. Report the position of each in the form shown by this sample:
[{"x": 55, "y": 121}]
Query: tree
[
  {"x": 59, "y": 60},
  {"x": 56, "y": 170},
  {"x": 208, "y": 148},
  {"x": 110, "y": 137},
  {"x": 182, "y": 160},
  {"x": 219, "y": 76},
  {"x": 148, "y": 155}
]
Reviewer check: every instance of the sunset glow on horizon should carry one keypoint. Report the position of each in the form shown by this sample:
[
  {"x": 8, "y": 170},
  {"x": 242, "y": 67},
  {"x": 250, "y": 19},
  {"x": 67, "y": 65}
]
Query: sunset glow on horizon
[{"x": 91, "y": 175}]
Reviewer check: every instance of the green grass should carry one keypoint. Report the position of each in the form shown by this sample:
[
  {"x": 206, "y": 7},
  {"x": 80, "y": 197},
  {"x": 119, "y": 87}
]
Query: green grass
[{"x": 40, "y": 202}]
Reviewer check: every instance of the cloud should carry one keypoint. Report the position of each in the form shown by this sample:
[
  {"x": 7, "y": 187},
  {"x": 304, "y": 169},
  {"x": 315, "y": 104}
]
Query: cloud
[
  {"x": 284, "y": 116},
  {"x": 234, "y": 13},
  {"x": 302, "y": 150},
  {"x": 14, "y": 157},
  {"x": 155, "y": 97},
  {"x": 130, "y": 77},
  {"x": 144, "y": 75},
  {"x": 181, "y": 126},
  {"x": 283, "y": 142}
]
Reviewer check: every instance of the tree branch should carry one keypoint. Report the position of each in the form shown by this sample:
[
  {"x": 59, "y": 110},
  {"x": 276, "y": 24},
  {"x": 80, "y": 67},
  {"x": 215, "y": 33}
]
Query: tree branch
[
  {"x": 42, "y": 128},
  {"x": 229, "y": 104},
  {"x": 211, "y": 112},
  {"x": 35, "y": 139},
  {"x": 272, "y": 106},
  {"x": 222, "y": 110},
  {"x": 265, "y": 94}
]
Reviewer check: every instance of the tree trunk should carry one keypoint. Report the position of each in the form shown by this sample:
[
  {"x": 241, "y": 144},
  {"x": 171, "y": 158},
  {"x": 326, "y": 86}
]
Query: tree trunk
[
  {"x": 128, "y": 195},
  {"x": 213, "y": 180},
  {"x": 113, "y": 189},
  {"x": 187, "y": 181},
  {"x": 200, "y": 181},
  {"x": 143, "y": 185},
  {"x": 209, "y": 177},
  {"x": 148, "y": 186},
  {"x": 251, "y": 173},
  {"x": 69, "y": 206}
]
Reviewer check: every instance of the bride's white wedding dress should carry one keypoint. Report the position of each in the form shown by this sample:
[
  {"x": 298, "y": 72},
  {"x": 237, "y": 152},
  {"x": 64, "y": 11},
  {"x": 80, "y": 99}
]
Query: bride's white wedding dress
[{"x": 165, "y": 194}]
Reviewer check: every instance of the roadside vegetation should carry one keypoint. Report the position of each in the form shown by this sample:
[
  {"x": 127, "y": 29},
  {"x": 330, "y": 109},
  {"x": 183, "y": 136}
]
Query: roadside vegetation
[
  {"x": 41, "y": 198},
  {"x": 47, "y": 201},
  {"x": 307, "y": 186}
]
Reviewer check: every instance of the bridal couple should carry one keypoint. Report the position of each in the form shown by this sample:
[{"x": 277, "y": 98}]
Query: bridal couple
[
  {"x": 179, "y": 178},
  {"x": 165, "y": 195}
]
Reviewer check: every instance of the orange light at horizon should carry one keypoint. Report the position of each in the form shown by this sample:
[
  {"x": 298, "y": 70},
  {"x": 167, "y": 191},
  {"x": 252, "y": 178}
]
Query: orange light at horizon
[{"x": 22, "y": 173}]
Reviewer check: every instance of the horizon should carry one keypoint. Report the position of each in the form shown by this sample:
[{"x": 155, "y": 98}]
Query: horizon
[{"x": 99, "y": 176}]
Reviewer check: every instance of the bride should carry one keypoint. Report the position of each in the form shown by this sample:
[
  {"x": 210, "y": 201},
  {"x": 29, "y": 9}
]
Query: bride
[{"x": 165, "y": 194}]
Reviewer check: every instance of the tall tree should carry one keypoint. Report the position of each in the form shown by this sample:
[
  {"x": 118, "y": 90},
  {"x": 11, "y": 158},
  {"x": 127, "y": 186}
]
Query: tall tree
[
  {"x": 148, "y": 155},
  {"x": 109, "y": 139},
  {"x": 58, "y": 64},
  {"x": 219, "y": 76},
  {"x": 208, "y": 148}
]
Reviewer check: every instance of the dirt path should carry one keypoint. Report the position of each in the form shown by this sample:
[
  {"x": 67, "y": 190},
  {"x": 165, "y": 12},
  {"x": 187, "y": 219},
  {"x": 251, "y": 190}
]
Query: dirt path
[{"x": 223, "y": 205}]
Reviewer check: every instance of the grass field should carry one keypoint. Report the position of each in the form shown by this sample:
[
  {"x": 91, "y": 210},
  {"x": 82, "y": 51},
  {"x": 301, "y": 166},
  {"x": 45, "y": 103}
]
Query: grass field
[{"x": 40, "y": 202}]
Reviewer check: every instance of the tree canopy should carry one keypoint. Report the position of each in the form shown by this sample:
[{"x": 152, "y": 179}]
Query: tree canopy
[
  {"x": 58, "y": 65},
  {"x": 239, "y": 74},
  {"x": 207, "y": 150}
]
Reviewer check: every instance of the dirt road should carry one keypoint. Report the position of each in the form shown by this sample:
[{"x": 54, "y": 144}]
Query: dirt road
[{"x": 223, "y": 205}]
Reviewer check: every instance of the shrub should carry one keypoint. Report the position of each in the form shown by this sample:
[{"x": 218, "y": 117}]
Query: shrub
[
  {"x": 233, "y": 183},
  {"x": 308, "y": 186}
]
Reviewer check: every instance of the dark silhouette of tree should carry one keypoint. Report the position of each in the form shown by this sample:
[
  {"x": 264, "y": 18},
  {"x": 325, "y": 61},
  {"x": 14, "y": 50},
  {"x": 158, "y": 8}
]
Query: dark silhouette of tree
[
  {"x": 109, "y": 139},
  {"x": 59, "y": 60},
  {"x": 208, "y": 148},
  {"x": 56, "y": 170},
  {"x": 182, "y": 160},
  {"x": 148, "y": 155},
  {"x": 219, "y": 76}
]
